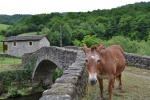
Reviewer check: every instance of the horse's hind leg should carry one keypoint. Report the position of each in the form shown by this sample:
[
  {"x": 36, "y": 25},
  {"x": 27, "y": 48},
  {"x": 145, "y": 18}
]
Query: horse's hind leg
[{"x": 120, "y": 82}]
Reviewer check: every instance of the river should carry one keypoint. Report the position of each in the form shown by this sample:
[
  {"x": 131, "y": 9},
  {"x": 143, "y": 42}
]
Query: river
[{"x": 35, "y": 96}]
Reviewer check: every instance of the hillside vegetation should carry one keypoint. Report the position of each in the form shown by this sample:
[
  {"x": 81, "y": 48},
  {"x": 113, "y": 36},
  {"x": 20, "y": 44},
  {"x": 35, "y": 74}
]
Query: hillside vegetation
[
  {"x": 130, "y": 22},
  {"x": 8, "y": 19}
]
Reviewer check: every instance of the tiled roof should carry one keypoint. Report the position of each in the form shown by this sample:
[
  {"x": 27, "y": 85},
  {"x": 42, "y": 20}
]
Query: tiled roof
[{"x": 24, "y": 38}]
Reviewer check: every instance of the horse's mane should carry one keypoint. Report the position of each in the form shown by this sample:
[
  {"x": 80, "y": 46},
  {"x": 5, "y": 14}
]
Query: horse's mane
[
  {"x": 97, "y": 47},
  {"x": 93, "y": 48}
]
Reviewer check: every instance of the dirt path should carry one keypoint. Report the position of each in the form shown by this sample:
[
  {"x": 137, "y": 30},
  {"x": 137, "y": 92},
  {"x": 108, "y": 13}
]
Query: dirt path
[{"x": 136, "y": 86}]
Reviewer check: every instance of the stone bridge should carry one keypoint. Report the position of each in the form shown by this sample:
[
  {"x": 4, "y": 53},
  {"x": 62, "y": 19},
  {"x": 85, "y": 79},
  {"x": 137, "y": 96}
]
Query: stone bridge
[
  {"x": 72, "y": 85},
  {"x": 44, "y": 61}
]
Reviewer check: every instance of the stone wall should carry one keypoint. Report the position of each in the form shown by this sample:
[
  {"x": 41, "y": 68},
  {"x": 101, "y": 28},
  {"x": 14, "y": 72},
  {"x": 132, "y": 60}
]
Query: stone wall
[
  {"x": 72, "y": 85},
  {"x": 137, "y": 60}
]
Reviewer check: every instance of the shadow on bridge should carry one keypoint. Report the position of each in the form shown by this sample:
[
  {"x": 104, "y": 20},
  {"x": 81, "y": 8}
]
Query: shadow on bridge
[{"x": 44, "y": 73}]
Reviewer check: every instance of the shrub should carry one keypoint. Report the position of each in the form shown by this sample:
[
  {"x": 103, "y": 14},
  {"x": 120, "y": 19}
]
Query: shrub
[
  {"x": 125, "y": 43},
  {"x": 58, "y": 73},
  {"x": 91, "y": 40}
]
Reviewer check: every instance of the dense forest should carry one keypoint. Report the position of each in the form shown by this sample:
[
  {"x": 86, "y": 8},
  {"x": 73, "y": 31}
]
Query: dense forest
[
  {"x": 10, "y": 20},
  {"x": 130, "y": 22}
]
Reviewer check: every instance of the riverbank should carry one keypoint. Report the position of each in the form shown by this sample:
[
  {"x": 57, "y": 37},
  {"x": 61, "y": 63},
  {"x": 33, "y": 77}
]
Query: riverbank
[
  {"x": 22, "y": 91},
  {"x": 15, "y": 80},
  {"x": 34, "y": 96}
]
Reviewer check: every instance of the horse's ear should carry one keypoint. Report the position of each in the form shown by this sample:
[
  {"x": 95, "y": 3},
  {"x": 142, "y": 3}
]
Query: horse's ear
[
  {"x": 85, "y": 48},
  {"x": 100, "y": 47}
]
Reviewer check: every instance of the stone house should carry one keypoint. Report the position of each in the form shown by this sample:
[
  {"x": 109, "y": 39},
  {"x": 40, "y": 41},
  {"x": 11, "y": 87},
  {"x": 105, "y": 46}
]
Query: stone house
[{"x": 19, "y": 45}]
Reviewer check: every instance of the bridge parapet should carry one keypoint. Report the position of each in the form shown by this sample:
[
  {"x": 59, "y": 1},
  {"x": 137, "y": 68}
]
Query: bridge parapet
[{"x": 72, "y": 84}]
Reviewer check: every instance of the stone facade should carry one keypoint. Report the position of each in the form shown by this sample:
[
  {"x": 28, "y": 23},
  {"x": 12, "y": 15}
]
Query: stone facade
[
  {"x": 20, "y": 47},
  {"x": 44, "y": 42}
]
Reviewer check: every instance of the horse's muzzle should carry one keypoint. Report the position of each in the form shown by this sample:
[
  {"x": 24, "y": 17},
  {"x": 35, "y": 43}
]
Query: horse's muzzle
[{"x": 93, "y": 82}]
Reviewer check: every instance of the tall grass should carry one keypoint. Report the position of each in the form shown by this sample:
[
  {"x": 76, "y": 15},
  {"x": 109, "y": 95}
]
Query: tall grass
[
  {"x": 3, "y": 26},
  {"x": 9, "y": 63}
]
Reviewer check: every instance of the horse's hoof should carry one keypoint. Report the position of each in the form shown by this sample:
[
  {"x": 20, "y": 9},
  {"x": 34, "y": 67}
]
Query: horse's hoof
[{"x": 120, "y": 87}]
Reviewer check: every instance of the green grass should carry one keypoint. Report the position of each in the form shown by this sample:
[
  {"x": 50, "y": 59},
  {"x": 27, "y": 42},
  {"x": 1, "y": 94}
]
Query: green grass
[
  {"x": 28, "y": 34},
  {"x": 1, "y": 43},
  {"x": 3, "y": 26},
  {"x": 136, "y": 86},
  {"x": 9, "y": 64},
  {"x": 2, "y": 37}
]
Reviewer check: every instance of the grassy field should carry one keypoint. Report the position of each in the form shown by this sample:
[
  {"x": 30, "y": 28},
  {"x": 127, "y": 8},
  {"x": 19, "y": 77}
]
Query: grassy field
[
  {"x": 9, "y": 63},
  {"x": 136, "y": 86},
  {"x": 3, "y": 26},
  {"x": 28, "y": 34},
  {"x": 1, "y": 43}
]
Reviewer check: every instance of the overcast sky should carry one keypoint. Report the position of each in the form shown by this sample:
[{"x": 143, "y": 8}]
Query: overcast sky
[{"x": 11, "y": 7}]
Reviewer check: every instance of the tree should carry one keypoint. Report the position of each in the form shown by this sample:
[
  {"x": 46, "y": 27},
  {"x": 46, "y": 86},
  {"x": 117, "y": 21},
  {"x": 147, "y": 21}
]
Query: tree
[
  {"x": 45, "y": 31},
  {"x": 91, "y": 40},
  {"x": 125, "y": 24},
  {"x": 54, "y": 38}
]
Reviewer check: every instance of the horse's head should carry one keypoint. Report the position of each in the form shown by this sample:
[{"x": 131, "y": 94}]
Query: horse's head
[{"x": 92, "y": 61}]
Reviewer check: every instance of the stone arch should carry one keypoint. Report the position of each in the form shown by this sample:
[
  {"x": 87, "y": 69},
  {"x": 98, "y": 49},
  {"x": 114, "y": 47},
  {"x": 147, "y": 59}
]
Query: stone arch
[
  {"x": 61, "y": 57},
  {"x": 43, "y": 72}
]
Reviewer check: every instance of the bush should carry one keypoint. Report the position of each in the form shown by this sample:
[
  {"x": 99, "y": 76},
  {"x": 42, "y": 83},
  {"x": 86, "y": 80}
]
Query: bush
[
  {"x": 125, "y": 43},
  {"x": 91, "y": 40},
  {"x": 143, "y": 48},
  {"x": 130, "y": 46},
  {"x": 58, "y": 73}
]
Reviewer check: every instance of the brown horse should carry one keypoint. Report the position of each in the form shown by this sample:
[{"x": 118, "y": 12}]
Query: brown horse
[{"x": 101, "y": 61}]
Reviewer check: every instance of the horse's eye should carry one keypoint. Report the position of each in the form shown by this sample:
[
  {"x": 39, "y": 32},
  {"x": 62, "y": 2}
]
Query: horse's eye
[
  {"x": 86, "y": 60},
  {"x": 98, "y": 60}
]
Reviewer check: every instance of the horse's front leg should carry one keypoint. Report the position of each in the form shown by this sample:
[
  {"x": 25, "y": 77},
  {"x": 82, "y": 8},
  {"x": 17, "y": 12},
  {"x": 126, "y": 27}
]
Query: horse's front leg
[
  {"x": 110, "y": 86},
  {"x": 100, "y": 80}
]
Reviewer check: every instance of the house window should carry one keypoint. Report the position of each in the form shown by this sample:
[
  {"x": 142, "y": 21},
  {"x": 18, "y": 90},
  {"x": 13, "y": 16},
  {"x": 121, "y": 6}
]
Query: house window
[
  {"x": 30, "y": 43},
  {"x": 14, "y": 44}
]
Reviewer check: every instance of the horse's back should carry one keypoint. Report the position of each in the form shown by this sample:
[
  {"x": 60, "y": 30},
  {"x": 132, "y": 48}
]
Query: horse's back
[
  {"x": 118, "y": 54},
  {"x": 114, "y": 48}
]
